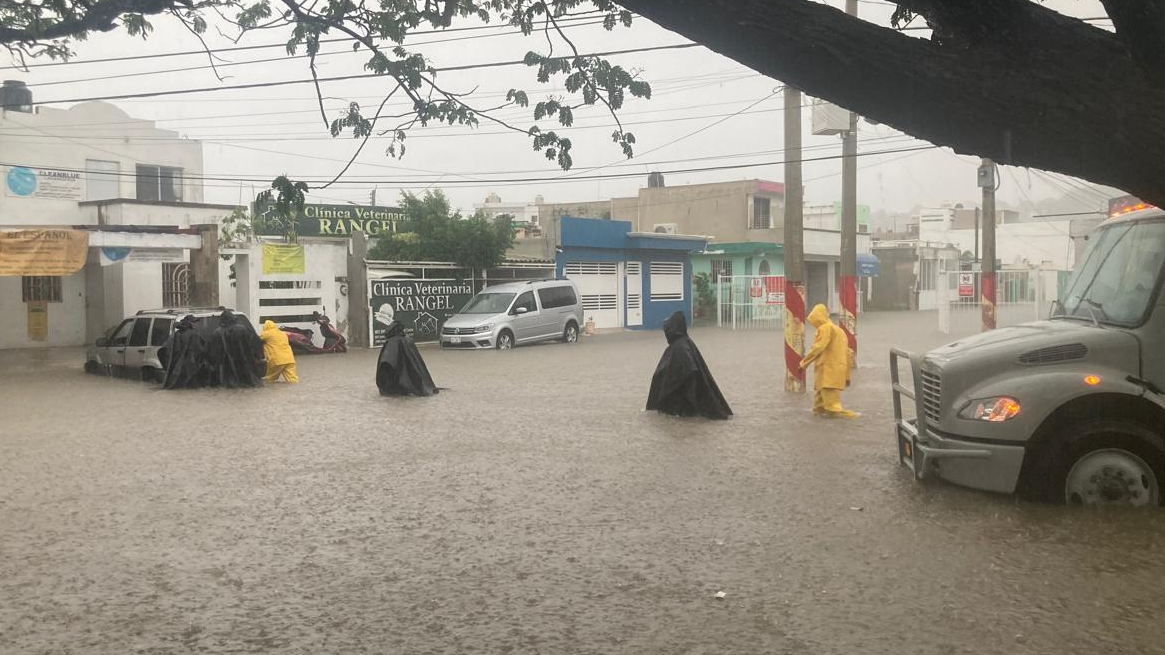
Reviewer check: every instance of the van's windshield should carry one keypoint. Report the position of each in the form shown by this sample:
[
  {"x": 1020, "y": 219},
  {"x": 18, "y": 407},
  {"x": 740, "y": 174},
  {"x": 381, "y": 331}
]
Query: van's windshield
[
  {"x": 488, "y": 303},
  {"x": 1115, "y": 280}
]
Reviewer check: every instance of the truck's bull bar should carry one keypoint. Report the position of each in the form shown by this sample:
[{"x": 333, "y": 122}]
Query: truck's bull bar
[{"x": 914, "y": 448}]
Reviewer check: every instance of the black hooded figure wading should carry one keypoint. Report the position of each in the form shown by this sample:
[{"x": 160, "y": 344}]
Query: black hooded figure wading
[
  {"x": 682, "y": 384},
  {"x": 184, "y": 351},
  {"x": 232, "y": 354},
  {"x": 400, "y": 371}
]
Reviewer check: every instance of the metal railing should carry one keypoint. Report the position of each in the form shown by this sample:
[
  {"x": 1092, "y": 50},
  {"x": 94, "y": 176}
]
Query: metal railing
[{"x": 750, "y": 302}]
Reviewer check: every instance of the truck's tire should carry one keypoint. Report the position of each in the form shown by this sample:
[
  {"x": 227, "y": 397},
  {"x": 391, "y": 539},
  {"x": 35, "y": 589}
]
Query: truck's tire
[{"x": 1104, "y": 462}]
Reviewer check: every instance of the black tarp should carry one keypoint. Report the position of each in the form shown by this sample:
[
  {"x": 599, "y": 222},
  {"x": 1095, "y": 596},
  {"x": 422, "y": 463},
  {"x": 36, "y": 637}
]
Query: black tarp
[
  {"x": 682, "y": 384},
  {"x": 400, "y": 371},
  {"x": 184, "y": 350},
  {"x": 232, "y": 353}
]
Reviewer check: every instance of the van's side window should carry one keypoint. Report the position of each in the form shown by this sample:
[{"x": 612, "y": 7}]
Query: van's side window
[
  {"x": 526, "y": 300},
  {"x": 552, "y": 297}
]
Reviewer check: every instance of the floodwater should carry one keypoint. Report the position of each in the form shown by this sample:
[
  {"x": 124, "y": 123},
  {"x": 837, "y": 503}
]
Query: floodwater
[{"x": 532, "y": 508}]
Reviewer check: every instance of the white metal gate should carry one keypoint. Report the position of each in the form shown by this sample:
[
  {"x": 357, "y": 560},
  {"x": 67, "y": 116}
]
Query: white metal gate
[
  {"x": 634, "y": 294},
  {"x": 1020, "y": 297},
  {"x": 598, "y": 287},
  {"x": 751, "y": 302}
]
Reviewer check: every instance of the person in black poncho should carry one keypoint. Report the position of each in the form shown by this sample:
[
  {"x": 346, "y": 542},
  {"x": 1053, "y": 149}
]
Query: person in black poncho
[
  {"x": 232, "y": 354},
  {"x": 183, "y": 353},
  {"x": 682, "y": 384},
  {"x": 400, "y": 371}
]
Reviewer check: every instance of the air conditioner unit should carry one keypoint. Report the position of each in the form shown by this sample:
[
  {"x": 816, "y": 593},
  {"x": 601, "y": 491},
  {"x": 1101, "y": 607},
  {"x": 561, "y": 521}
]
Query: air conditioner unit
[{"x": 666, "y": 228}]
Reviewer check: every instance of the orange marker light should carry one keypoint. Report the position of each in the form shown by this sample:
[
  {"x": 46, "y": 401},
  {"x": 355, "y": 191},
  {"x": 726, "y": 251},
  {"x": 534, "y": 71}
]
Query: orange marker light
[{"x": 1092, "y": 380}]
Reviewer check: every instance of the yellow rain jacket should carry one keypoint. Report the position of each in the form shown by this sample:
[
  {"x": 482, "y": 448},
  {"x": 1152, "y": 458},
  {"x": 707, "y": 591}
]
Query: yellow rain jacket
[
  {"x": 275, "y": 345},
  {"x": 830, "y": 354}
]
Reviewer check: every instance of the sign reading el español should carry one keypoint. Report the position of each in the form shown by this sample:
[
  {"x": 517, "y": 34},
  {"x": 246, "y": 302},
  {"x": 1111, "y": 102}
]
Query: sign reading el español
[
  {"x": 43, "y": 252},
  {"x": 330, "y": 220}
]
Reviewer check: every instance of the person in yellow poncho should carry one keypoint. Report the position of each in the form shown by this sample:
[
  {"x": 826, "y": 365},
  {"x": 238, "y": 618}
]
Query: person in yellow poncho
[
  {"x": 832, "y": 362},
  {"x": 280, "y": 359}
]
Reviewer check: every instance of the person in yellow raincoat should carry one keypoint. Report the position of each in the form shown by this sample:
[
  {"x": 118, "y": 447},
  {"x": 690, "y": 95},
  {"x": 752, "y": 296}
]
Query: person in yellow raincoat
[
  {"x": 280, "y": 359},
  {"x": 832, "y": 362}
]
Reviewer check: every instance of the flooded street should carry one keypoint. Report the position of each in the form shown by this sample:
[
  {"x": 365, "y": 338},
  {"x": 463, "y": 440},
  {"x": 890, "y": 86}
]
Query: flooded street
[{"x": 533, "y": 507}]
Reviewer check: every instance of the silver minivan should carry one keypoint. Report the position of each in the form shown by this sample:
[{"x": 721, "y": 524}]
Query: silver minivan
[{"x": 506, "y": 315}]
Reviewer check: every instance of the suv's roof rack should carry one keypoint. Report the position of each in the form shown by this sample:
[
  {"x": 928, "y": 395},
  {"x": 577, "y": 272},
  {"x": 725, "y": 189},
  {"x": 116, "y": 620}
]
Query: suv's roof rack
[{"x": 174, "y": 311}]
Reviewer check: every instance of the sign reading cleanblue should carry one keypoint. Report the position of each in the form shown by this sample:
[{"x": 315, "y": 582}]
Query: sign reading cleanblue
[{"x": 49, "y": 183}]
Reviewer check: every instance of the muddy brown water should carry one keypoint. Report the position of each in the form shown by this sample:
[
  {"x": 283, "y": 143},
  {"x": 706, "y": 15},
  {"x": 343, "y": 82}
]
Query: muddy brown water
[{"x": 532, "y": 508}]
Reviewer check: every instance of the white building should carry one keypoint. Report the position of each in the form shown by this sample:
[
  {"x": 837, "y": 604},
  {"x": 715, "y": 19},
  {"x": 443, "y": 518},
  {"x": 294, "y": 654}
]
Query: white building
[
  {"x": 136, "y": 192},
  {"x": 524, "y": 213},
  {"x": 1045, "y": 244}
]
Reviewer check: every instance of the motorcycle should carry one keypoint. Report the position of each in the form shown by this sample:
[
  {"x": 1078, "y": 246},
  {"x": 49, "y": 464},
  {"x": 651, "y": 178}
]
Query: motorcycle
[{"x": 300, "y": 339}]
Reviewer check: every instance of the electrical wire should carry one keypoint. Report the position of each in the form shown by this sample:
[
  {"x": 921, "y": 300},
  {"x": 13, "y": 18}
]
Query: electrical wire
[{"x": 338, "y": 78}]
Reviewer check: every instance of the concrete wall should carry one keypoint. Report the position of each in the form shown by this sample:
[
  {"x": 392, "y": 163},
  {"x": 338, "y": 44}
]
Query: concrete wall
[
  {"x": 66, "y": 318},
  {"x": 722, "y": 211}
]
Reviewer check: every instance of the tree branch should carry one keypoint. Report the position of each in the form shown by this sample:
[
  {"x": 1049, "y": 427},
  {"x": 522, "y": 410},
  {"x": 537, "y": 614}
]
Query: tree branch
[
  {"x": 1076, "y": 104},
  {"x": 1140, "y": 26}
]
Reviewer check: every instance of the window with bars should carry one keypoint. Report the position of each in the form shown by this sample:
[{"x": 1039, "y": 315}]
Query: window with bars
[
  {"x": 762, "y": 213},
  {"x": 160, "y": 183},
  {"x": 35, "y": 288},
  {"x": 667, "y": 281},
  {"x": 721, "y": 268},
  {"x": 175, "y": 284}
]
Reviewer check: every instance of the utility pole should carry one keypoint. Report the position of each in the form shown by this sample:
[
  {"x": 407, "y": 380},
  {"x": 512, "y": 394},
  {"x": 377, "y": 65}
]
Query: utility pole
[
  {"x": 848, "y": 290},
  {"x": 794, "y": 246},
  {"x": 987, "y": 276}
]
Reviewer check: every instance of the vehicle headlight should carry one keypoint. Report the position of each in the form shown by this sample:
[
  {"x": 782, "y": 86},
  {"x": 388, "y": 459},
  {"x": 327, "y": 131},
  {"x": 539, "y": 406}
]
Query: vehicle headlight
[
  {"x": 995, "y": 410},
  {"x": 484, "y": 328}
]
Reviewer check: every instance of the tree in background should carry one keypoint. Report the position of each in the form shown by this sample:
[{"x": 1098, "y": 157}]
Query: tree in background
[{"x": 431, "y": 231}]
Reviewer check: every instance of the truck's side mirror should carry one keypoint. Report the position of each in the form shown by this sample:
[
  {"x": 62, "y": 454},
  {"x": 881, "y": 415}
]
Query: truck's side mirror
[{"x": 101, "y": 342}]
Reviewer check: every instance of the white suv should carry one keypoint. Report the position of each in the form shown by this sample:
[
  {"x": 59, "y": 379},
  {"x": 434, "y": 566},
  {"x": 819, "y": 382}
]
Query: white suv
[
  {"x": 131, "y": 349},
  {"x": 506, "y": 315}
]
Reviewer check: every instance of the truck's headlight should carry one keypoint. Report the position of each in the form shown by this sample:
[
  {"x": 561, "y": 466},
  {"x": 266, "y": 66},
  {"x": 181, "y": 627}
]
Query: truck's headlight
[
  {"x": 484, "y": 328},
  {"x": 996, "y": 410}
]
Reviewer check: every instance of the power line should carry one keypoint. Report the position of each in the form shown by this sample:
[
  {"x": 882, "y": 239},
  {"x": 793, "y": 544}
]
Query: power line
[
  {"x": 338, "y": 78},
  {"x": 530, "y": 180},
  {"x": 264, "y": 46},
  {"x": 282, "y": 58}
]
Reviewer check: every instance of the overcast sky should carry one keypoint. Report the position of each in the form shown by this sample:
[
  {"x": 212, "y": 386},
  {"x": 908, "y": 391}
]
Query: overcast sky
[{"x": 689, "y": 121}]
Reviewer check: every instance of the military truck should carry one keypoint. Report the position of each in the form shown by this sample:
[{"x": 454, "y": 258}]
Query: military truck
[{"x": 1069, "y": 409}]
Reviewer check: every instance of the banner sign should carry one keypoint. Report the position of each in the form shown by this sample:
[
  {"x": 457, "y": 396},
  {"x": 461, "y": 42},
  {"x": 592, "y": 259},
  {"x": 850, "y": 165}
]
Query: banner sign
[
  {"x": 421, "y": 306},
  {"x": 120, "y": 255},
  {"x": 330, "y": 220},
  {"x": 768, "y": 296},
  {"x": 283, "y": 258},
  {"x": 43, "y": 252},
  {"x": 26, "y": 182}
]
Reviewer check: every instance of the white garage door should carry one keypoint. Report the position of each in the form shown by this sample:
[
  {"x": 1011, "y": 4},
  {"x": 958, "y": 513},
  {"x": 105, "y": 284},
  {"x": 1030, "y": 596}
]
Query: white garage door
[{"x": 598, "y": 286}]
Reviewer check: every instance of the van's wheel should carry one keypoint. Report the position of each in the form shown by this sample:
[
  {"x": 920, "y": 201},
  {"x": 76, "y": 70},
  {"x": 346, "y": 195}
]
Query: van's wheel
[
  {"x": 505, "y": 340},
  {"x": 570, "y": 335},
  {"x": 1111, "y": 463}
]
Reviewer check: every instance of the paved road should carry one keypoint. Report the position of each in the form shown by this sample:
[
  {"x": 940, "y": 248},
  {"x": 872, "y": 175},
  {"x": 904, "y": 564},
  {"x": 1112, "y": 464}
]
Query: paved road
[{"x": 532, "y": 508}]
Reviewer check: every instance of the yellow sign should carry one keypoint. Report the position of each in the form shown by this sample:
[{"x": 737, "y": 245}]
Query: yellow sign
[
  {"x": 38, "y": 320},
  {"x": 282, "y": 258},
  {"x": 43, "y": 252}
]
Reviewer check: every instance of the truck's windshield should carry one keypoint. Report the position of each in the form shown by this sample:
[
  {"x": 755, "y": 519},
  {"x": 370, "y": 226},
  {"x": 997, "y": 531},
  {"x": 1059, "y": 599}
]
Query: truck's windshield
[{"x": 1114, "y": 281}]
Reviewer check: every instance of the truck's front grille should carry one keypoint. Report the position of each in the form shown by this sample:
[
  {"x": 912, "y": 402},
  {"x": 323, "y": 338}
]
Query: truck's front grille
[{"x": 932, "y": 391}]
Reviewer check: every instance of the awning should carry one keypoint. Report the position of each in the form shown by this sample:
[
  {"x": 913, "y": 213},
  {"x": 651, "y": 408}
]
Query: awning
[{"x": 867, "y": 265}]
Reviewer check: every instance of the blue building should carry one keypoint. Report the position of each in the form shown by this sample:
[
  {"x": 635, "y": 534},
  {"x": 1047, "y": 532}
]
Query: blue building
[{"x": 626, "y": 279}]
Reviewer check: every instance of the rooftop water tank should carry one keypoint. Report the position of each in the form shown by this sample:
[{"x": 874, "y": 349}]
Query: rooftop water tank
[{"x": 16, "y": 96}]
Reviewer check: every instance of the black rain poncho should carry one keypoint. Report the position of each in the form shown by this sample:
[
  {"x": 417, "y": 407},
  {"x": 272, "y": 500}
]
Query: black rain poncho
[
  {"x": 682, "y": 384},
  {"x": 400, "y": 371},
  {"x": 232, "y": 353},
  {"x": 183, "y": 353}
]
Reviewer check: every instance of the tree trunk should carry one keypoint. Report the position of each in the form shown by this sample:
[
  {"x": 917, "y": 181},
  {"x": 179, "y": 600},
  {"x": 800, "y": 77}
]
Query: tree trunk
[{"x": 1059, "y": 95}]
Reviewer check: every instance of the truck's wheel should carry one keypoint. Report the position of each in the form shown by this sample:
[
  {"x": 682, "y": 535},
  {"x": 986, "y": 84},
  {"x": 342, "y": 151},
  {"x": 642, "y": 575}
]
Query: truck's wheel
[{"x": 1111, "y": 462}]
